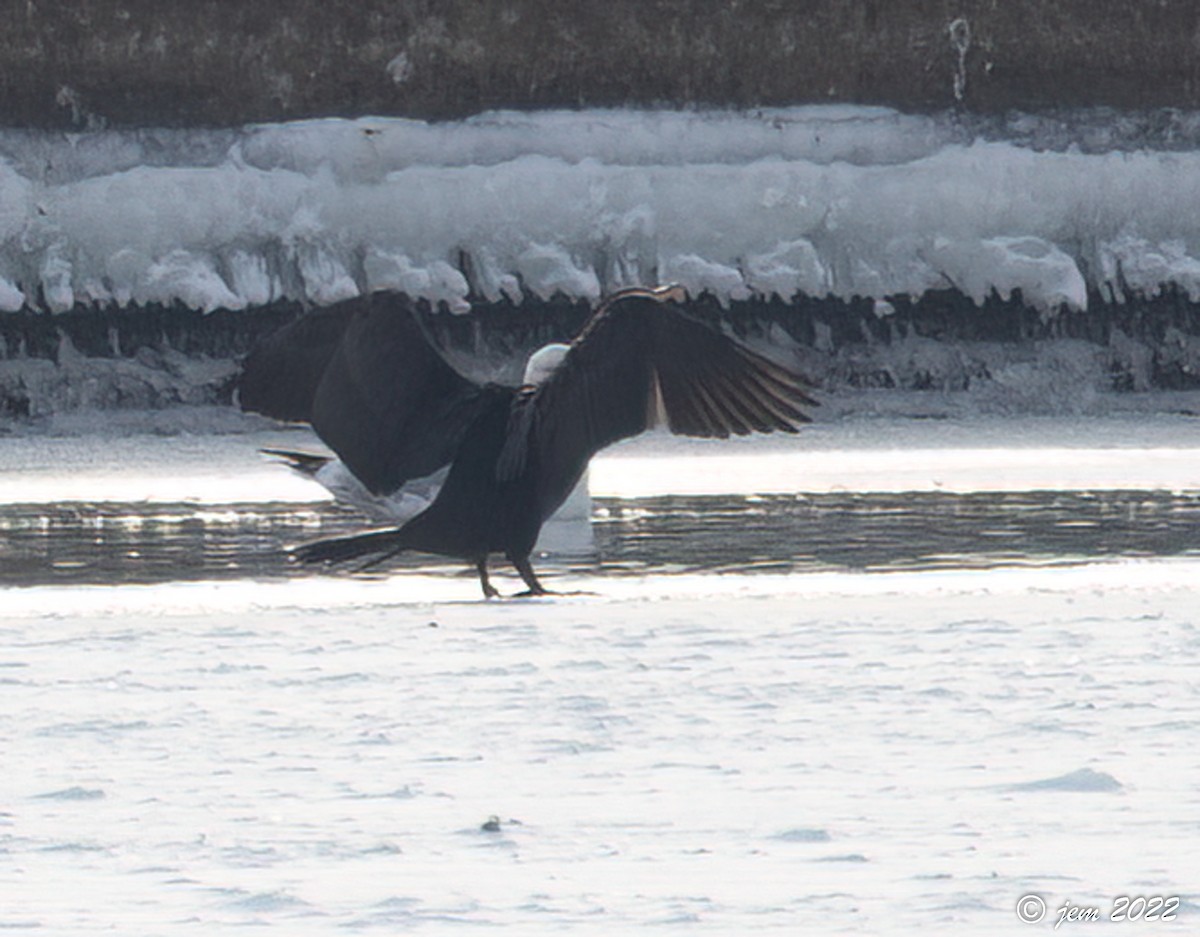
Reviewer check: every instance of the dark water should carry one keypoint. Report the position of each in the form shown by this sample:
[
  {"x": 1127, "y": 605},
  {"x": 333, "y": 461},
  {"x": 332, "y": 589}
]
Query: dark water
[{"x": 146, "y": 543}]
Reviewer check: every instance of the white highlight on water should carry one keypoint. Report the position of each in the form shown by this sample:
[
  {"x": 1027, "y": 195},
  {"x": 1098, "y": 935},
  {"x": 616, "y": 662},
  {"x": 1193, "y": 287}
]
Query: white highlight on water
[{"x": 881, "y": 453}]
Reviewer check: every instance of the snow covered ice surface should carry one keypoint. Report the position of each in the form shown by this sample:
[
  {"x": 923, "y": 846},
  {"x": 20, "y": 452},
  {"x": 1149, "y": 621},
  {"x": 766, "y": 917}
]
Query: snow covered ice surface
[
  {"x": 819, "y": 200},
  {"x": 807, "y": 752},
  {"x": 838, "y": 755}
]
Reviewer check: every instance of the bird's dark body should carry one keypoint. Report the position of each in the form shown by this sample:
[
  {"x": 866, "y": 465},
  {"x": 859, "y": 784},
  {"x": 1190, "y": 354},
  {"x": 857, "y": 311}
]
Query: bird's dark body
[
  {"x": 476, "y": 512},
  {"x": 392, "y": 408}
]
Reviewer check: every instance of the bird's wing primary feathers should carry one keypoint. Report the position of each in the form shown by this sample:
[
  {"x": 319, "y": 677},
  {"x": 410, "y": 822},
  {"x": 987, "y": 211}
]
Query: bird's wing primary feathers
[
  {"x": 641, "y": 358},
  {"x": 385, "y": 401}
]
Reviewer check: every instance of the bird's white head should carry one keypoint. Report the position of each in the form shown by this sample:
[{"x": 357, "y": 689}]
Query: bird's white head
[{"x": 543, "y": 362}]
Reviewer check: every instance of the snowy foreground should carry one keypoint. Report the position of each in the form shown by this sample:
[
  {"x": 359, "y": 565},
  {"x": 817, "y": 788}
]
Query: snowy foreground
[
  {"x": 831, "y": 752},
  {"x": 819, "y": 200}
]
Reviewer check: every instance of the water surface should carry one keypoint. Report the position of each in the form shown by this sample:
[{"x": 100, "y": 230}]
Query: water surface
[{"x": 140, "y": 542}]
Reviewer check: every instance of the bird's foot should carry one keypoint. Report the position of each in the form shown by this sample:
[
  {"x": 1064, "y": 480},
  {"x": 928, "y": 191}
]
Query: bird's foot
[
  {"x": 533, "y": 593},
  {"x": 491, "y": 592}
]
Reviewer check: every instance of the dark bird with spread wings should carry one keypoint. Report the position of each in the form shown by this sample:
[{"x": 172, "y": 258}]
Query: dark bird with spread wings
[{"x": 500, "y": 460}]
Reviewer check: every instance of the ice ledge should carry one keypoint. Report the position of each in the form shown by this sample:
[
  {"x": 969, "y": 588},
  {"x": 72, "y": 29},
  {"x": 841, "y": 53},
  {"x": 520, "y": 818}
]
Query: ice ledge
[{"x": 846, "y": 202}]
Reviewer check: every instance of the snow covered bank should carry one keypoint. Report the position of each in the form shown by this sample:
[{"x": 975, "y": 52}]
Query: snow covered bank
[{"x": 808, "y": 201}]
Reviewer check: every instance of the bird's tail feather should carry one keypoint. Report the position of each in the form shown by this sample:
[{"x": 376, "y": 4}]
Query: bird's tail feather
[
  {"x": 306, "y": 463},
  {"x": 380, "y": 544}
]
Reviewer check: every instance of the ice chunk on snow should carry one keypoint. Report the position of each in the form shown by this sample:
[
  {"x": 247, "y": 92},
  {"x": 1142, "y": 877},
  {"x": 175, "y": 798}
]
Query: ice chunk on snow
[
  {"x": 188, "y": 278},
  {"x": 627, "y": 240},
  {"x": 823, "y": 134},
  {"x": 16, "y": 202},
  {"x": 250, "y": 279},
  {"x": 1047, "y": 277},
  {"x": 547, "y": 269},
  {"x": 1133, "y": 263},
  {"x": 56, "y": 281},
  {"x": 491, "y": 280},
  {"x": 791, "y": 268},
  {"x": 178, "y": 276},
  {"x": 437, "y": 281},
  {"x": 11, "y": 298},
  {"x": 697, "y": 275},
  {"x": 326, "y": 279}
]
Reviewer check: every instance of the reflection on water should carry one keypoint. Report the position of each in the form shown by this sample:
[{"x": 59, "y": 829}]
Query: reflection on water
[
  {"x": 144, "y": 543},
  {"x": 923, "y": 530}
]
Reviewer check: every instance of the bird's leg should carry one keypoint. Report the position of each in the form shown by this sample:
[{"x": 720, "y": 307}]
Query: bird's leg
[
  {"x": 527, "y": 574},
  {"x": 489, "y": 591}
]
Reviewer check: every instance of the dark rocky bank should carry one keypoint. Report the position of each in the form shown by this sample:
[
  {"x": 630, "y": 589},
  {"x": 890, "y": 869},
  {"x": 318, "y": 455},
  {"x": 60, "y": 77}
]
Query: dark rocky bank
[{"x": 137, "y": 63}]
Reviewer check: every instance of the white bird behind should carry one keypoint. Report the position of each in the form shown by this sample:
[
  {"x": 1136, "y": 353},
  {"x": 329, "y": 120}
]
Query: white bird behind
[{"x": 568, "y": 532}]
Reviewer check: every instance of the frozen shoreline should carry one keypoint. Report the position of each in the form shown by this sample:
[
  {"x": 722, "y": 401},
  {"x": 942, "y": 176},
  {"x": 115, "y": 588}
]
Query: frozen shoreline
[{"x": 1120, "y": 579}]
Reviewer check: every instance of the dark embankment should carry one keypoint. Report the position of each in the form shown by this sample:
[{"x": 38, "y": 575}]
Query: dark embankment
[
  {"x": 1005, "y": 356},
  {"x": 217, "y": 63}
]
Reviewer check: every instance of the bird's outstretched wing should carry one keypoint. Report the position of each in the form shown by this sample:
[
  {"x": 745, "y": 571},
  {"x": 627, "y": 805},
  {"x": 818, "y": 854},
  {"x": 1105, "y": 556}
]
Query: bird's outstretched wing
[
  {"x": 640, "y": 359},
  {"x": 384, "y": 399},
  {"x": 279, "y": 378}
]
